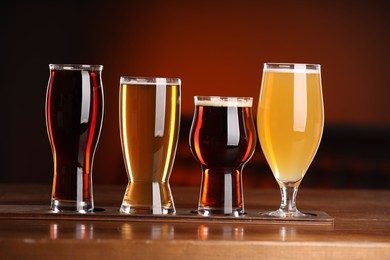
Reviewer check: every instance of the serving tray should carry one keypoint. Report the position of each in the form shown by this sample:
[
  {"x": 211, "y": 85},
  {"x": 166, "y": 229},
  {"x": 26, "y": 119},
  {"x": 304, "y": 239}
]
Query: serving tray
[{"x": 39, "y": 212}]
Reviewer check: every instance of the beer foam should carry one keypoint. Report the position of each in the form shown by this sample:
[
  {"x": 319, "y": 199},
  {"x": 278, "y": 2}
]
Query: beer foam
[
  {"x": 224, "y": 102},
  {"x": 298, "y": 68},
  {"x": 309, "y": 71},
  {"x": 150, "y": 81}
]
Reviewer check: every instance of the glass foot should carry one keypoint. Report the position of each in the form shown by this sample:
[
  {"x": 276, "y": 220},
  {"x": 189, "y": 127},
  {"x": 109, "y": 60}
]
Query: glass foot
[
  {"x": 285, "y": 214},
  {"x": 71, "y": 206},
  {"x": 220, "y": 212},
  {"x": 129, "y": 209},
  {"x": 148, "y": 198}
]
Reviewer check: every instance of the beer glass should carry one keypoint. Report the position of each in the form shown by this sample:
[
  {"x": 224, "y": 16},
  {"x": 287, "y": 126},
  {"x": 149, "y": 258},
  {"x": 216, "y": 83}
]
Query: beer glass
[
  {"x": 290, "y": 120},
  {"x": 222, "y": 139},
  {"x": 74, "y": 114},
  {"x": 149, "y": 126}
]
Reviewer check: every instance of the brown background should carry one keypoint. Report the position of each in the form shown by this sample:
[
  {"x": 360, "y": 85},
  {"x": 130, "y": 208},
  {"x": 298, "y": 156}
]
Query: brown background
[{"x": 216, "y": 48}]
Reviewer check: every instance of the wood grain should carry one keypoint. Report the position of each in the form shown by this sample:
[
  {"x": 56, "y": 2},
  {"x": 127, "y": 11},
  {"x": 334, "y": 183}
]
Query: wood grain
[{"x": 361, "y": 228}]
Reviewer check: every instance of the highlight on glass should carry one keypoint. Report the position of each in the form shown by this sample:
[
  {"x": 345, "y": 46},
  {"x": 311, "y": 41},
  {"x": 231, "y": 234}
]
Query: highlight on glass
[
  {"x": 222, "y": 139},
  {"x": 150, "y": 111},
  {"x": 290, "y": 120},
  {"x": 74, "y": 117}
]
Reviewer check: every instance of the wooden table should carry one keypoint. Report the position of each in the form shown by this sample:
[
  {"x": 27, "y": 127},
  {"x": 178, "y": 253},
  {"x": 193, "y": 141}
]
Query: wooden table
[{"x": 361, "y": 229}]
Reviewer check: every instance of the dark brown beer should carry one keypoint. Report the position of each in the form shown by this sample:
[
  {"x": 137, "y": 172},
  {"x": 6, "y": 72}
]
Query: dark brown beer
[
  {"x": 74, "y": 112},
  {"x": 222, "y": 139}
]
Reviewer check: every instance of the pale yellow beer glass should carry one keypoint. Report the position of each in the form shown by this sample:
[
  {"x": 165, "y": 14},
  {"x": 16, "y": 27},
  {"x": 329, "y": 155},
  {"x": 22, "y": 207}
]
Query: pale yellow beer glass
[
  {"x": 149, "y": 126},
  {"x": 290, "y": 120}
]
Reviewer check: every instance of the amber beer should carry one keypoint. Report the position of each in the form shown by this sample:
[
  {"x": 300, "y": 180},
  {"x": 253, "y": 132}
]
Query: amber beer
[
  {"x": 149, "y": 126},
  {"x": 74, "y": 114},
  {"x": 222, "y": 139}
]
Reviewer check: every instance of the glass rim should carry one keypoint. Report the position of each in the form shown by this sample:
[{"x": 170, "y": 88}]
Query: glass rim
[
  {"x": 222, "y": 98},
  {"x": 149, "y": 80},
  {"x": 75, "y": 67},
  {"x": 291, "y": 66},
  {"x": 223, "y": 101}
]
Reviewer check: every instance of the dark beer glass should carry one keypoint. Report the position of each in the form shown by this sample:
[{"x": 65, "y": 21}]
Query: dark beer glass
[
  {"x": 222, "y": 139},
  {"x": 74, "y": 114}
]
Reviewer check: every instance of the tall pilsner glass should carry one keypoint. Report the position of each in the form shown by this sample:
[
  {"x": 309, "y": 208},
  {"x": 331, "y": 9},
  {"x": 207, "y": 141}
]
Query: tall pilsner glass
[
  {"x": 74, "y": 115},
  {"x": 290, "y": 120},
  {"x": 149, "y": 125}
]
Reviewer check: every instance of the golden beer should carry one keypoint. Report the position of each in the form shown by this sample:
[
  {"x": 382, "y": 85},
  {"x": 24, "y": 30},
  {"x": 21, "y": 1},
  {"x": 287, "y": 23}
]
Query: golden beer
[
  {"x": 290, "y": 120},
  {"x": 149, "y": 127}
]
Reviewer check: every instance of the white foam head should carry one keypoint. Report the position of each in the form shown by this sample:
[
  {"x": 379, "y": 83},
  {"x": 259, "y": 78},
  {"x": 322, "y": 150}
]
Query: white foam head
[
  {"x": 223, "y": 101},
  {"x": 292, "y": 68},
  {"x": 150, "y": 81}
]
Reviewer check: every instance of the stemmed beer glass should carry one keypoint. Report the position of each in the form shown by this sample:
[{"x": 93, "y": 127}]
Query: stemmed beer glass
[{"x": 290, "y": 120}]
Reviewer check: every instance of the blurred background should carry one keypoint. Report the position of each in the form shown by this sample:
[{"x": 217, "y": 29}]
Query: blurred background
[{"x": 216, "y": 48}]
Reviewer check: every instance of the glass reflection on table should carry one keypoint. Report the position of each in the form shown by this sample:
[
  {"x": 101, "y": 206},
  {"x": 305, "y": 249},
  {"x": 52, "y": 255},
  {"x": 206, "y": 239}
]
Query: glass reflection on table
[
  {"x": 206, "y": 232},
  {"x": 82, "y": 231},
  {"x": 155, "y": 231}
]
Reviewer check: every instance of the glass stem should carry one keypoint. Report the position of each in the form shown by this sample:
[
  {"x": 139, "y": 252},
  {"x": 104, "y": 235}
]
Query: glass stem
[{"x": 289, "y": 194}]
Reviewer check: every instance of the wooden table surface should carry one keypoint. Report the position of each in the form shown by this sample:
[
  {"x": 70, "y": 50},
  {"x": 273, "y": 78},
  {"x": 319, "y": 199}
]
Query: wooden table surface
[{"x": 361, "y": 228}]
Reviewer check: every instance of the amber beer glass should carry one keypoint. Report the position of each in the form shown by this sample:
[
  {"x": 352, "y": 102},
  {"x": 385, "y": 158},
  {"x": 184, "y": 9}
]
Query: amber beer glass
[
  {"x": 222, "y": 139},
  {"x": 149, "y": 127},
  {"x": 74, "y": 114},
  {"x": 290, "y": 120}
]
